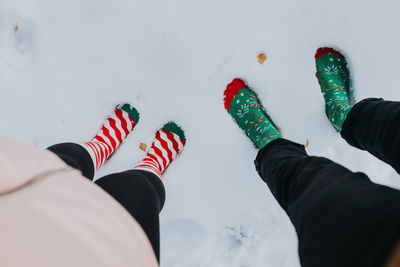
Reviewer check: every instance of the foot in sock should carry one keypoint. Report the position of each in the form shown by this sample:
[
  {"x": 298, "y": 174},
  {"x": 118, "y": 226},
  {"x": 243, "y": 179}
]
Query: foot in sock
[
  {"x": 333, "y": 77},
  {"x": 168, "y": 143},
  {"x": 114, "y": 130},
  {"x": 243, "y": 105}
]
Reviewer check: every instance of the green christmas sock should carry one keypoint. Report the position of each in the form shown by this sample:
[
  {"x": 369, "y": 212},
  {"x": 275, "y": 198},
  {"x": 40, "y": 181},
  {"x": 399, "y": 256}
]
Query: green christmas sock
[
  {"x": 333, "y": 77},
  {"x": 243, "y": 105}
]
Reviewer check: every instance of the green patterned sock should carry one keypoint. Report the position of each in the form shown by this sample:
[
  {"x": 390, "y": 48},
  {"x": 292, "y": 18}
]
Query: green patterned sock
[
  {"x": 243, "y": 105},
  {"x": 333, "y": 77}
]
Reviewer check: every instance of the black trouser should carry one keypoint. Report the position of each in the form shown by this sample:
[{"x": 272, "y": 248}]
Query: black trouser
[
  {"x": 341, "y": 217},
  {"x": 141, "y": 193}
]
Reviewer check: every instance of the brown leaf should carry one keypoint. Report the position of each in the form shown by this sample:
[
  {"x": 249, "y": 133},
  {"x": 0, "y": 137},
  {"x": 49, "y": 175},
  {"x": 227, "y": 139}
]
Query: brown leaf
[
  {"x": 261, "y": 58},
  {"x": 307, "y": 143},
  {"x": 143, "y": 147},
  {"x": 16, "y": 28}
]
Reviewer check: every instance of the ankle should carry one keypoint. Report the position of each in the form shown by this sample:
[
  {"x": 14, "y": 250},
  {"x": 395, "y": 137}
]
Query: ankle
[{"x": 338, "y": 115}]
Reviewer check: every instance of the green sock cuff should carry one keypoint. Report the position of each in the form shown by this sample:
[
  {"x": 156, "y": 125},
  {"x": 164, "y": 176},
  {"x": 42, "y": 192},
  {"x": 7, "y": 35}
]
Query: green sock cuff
[
  {"x": 130, "y": 110},
  {"x": 341, "y": 116},
  {"x": 174, "y": 128}
]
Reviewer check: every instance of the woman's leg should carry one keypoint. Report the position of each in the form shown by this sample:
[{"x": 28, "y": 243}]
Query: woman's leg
[
  {"x": 142, "y": 194},
  {"x": 140, "y": 191},
  {"x": 88, "y": 157},
  {"x": 75, "y": 156},
  {"x": 341, "y": 218}
]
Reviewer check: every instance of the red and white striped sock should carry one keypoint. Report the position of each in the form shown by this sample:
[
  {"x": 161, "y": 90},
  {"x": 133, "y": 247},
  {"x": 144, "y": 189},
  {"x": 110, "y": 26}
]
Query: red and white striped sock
[
  {"x": 114, "y": 130},
  {"x": 168, "y": 143}
]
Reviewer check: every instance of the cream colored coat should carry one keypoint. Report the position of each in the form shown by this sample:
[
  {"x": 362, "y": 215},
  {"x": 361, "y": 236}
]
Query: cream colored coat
[{"x": 52, "y": 216}]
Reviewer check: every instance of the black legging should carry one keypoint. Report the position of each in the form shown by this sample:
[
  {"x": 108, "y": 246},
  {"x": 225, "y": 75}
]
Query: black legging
[
  {"x": 341, "y": 217},
  {"x": 141, "y": 193}
]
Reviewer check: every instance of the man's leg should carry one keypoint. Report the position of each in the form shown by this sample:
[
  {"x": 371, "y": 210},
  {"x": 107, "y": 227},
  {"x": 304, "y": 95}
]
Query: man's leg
[
  {"x": 341, "y": 217},
  {"x": 142, "y": 194},
  {"x": 374, "y": 125}
]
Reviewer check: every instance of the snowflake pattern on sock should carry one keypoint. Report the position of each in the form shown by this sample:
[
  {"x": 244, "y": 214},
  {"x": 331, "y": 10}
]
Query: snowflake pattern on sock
[
  {"x": 333, "y": 77},
  {"x": 249, "y": 115}
]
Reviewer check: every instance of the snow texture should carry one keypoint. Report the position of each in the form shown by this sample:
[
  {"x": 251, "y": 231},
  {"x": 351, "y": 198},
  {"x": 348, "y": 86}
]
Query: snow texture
[{"x": 72, "y": 61}]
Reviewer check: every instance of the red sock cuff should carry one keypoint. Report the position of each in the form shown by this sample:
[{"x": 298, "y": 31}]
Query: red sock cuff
[
  {"x": 231, "y": 90},
  {"x": 327, "y": 50}
]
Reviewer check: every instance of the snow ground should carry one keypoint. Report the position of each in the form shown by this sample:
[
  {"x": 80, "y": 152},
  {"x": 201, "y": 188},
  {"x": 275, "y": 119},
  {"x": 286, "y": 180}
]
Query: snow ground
[{"x": 71, "y": 61}]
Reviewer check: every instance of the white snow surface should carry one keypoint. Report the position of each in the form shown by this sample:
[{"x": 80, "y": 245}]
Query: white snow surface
[{"x": 72, "y": 61}]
